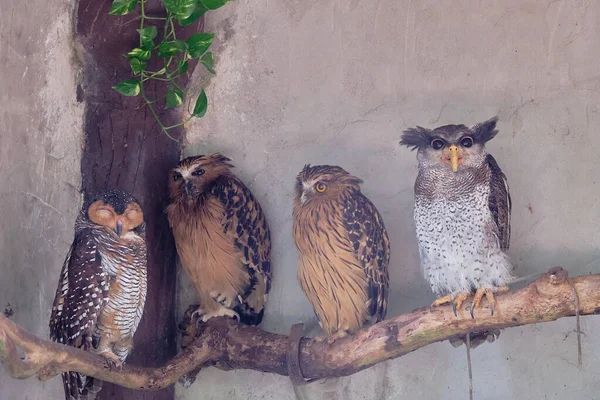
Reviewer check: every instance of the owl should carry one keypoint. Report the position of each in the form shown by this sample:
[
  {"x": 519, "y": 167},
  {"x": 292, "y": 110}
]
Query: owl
[
  {"x": 344, "y": 250},
  {"x": 102, "y": 286},
  {"x": 222, "y": 238},
  {"x": 462, "y": 213}
]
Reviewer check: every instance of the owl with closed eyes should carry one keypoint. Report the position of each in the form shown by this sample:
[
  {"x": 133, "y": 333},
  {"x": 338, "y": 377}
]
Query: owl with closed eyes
[
  {"x": 102, "y": 287},
  {"x": 462, "y": 213},
  {"x": 344, "y": 250}
]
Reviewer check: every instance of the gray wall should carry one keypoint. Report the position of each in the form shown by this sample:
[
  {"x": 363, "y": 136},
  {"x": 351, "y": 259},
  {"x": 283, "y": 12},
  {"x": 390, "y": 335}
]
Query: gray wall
[
  {"x": 337, "y": 82},
  {"x": 40, "y": 151}
]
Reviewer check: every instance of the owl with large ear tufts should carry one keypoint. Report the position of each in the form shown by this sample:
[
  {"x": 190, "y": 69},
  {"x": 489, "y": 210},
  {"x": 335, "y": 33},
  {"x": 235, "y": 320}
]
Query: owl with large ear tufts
[
  {"x": 343, "y": 248},
  {"x": 222, "y": 238},
  {"x": 462, "y": 214},
  {"x": 102, "y": 287}
]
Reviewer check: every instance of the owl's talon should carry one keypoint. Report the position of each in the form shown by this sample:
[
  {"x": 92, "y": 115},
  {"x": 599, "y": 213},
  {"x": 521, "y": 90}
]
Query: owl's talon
[
  {"x": 489, "y": 295},
  {"x": 331, "y": 338},
  {"x": 442, "y": 300},
  {"x": 112, "y": 360},
  {"x": 456, "y": 301},
  {"x": 222, "y": 312}
]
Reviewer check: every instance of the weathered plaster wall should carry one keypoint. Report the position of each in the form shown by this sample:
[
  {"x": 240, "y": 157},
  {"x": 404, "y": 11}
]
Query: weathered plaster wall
[
  {"x": 40, "y": 149},
  {"x": 336, "y": 82}
]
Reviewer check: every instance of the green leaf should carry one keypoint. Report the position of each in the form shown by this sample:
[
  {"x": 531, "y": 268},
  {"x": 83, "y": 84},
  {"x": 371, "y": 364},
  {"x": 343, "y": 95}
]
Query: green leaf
[
  {"x": 183, "y": 68},
  {"x": 140, "y": 54},
  {"x": 137, "y": 66},
  {"x": 174, "y": 97},
  {"x": 168, "y": 49},
  {"x": 199, "y": 11},
  {"x": 201, "y": 105},
  {"x": 198, "y": 43},
  {"x": 213, "y": 4},
  {"x": 147, "y": 36},
  {"x": 208, "y": 60},
  {"x": 122, "y": 7},
  {"x": 129, "y": 87},
  {"x": 180, "y": 9}
]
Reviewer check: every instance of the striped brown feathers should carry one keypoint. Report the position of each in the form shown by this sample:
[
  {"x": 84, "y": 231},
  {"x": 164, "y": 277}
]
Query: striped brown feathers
[
  {"x": 222, "y": 238},
  {"x": 343, "y": 248},
  {"x": 102, "y": 287}
]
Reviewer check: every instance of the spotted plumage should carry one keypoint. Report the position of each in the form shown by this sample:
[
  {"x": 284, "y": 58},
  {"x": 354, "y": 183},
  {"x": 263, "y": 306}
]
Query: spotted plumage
[
  {"x": 462, "y": 212},
  {"x": 222, "y": 238},
  {"x": 102, "y": 286},
  {"x": 343, "y": 248}
]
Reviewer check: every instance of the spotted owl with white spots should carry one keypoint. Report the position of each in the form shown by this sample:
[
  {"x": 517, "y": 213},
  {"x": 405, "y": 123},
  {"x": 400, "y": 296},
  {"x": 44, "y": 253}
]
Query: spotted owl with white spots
[
  {"x": 102, "y": 287},
  {"x": 462, "y": 213}
]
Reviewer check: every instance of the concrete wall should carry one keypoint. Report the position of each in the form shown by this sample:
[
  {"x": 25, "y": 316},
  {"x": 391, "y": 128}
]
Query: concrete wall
[
  {"x": 40, "y": 151},
  {"x": 336, "y": 82}
]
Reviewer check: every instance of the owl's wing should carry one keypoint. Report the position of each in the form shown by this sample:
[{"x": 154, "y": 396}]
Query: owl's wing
[
  {"x": 499, "y": 201},
  {"x": 371, "y": 245},
  {"x": 245, "y": 222},
  {"x": 81, "y": 293}
]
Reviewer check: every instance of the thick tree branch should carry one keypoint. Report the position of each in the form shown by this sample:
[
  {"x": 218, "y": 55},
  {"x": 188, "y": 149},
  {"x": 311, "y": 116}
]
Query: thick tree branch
[{"x": 229, "y": 345}]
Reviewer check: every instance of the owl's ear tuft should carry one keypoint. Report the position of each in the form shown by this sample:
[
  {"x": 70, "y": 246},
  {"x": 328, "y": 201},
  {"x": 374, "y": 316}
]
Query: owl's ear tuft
[
  {"x": 485, "y": 131},
  {"x": 416, "y": 137},
  {"x": 220, "y": 159}
]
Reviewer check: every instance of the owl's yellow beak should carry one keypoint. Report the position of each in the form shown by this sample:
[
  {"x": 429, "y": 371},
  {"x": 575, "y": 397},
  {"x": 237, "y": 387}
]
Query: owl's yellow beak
[{"x": 451, "y": 155}]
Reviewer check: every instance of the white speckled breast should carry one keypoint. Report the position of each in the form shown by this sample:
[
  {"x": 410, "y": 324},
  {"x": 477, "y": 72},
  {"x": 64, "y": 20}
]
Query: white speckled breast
[{"x": 458, "y": 242}]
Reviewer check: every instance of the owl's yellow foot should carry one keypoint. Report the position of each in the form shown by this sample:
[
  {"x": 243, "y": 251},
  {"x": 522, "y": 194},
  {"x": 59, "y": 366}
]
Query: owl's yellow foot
[
  {"x": 456, "y": 301},
  {"x": 489, "y": 295},
  {"x": 112, "y": 360}
]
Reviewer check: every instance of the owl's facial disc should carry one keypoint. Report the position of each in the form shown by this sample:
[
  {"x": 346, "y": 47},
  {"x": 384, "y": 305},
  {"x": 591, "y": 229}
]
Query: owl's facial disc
[
  {"x": 453, "y": 156},
  {"x": 121, "y": 224},
  {"x": 308, "y": 190}
]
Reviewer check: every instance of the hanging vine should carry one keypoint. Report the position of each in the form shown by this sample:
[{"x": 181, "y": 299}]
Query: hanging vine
[{"x": 173, "y": 54}]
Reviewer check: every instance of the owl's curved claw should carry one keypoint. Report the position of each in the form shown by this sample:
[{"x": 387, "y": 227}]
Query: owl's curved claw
[
  {"x": 113, "y": 361},
  {"x": 489, "y": 295},
  {"x": 456, "y": 301}
]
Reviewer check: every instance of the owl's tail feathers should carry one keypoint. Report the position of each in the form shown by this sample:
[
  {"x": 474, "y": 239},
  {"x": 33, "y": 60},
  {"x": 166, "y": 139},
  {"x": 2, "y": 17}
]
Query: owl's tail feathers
[
  {"x": 477, "y": 338},
  {"x": 80, "y": 387}
]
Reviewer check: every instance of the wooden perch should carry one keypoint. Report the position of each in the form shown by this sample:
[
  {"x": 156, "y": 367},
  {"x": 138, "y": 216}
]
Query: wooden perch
[{"x": 229, "y": 345}]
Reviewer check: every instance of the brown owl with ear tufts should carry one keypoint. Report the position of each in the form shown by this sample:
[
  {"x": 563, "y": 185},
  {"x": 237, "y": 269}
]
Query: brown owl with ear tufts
[
  {"x": 344, "y": 250},
  {"x": 222, "y": 238}
]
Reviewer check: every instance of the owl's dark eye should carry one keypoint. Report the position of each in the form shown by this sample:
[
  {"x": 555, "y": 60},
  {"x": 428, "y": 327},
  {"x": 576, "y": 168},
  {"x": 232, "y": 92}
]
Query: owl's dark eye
[
  {"x": 198, "y": 172},
  {"x": 467, "y": 141},
  {"x": 176, "y": 176},
  {"x": 437, "y": 144},
  {"x": 321, "y": 187}
]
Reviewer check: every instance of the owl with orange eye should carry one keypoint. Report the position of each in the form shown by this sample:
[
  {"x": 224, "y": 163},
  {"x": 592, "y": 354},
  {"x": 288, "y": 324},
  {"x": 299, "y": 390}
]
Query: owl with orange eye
[
  {"x": 344, "y": 250},
  {"x": 462, "y": 213}
]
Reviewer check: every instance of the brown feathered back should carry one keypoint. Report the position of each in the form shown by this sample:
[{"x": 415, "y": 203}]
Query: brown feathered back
[
  {"x": 343, "y": 247},
  {"x": 222, "y": 238}
]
